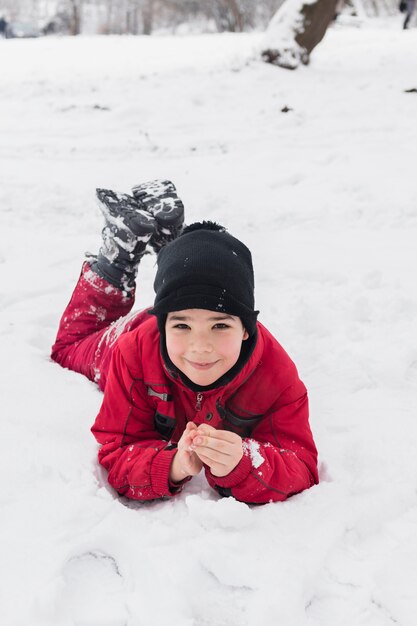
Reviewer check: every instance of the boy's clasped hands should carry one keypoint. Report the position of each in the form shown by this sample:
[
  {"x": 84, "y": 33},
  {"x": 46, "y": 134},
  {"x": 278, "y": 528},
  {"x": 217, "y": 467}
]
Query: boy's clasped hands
[{"x": 220, "y": 450}]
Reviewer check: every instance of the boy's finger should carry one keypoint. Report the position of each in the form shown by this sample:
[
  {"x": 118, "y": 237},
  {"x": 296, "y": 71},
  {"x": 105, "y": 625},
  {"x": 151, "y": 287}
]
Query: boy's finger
[
  {"x": 210, "y": 456},
  {"x": 205, "y": 429},
  {"x": 220, "y": 435},
  {"x": 212, "y": 443}
]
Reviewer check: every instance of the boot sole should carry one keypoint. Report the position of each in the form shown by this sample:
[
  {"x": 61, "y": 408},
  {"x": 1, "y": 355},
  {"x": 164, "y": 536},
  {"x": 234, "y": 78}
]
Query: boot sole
[
  {"x": 122, "y": 212},
  {"x": 161, "y": 200}
]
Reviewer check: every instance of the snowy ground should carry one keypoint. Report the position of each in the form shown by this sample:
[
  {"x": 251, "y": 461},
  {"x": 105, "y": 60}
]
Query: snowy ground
[{"x": 325, "y": 196}]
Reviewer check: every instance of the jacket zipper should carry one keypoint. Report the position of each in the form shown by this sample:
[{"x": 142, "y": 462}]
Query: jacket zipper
[{"x": 199, "y": 400}]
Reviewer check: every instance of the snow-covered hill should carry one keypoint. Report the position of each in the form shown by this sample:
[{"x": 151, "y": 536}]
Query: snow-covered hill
[{"x": 324, "y": 194}]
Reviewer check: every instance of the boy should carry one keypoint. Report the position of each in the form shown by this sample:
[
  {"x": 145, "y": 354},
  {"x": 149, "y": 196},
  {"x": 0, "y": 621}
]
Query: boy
[{"x": 195, "y": 382}]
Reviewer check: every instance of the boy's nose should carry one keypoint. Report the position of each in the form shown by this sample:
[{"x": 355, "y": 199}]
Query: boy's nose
[{"x": 201, "y": 343}]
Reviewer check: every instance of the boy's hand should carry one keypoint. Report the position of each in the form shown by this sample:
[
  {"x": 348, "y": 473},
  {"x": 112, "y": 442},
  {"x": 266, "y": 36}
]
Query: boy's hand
[
  {"x": 221, "y": 450},
  {"x": 185, "y": 462}
]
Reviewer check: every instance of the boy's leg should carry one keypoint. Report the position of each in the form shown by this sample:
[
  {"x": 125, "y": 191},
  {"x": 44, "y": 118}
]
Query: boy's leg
[
  {"x": 98, "y": 311},
  {"x": 97, "y": 314}
]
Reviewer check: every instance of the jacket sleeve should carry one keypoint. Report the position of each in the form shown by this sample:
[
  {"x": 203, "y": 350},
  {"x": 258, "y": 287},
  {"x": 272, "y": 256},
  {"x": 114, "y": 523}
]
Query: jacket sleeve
[
  {"x": 280, "y": 458},
  {"x": 137, "y": 459}
]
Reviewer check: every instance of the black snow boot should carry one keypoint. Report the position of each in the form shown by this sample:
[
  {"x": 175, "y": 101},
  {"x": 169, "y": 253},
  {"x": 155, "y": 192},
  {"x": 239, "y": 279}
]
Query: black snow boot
[
  {"x": 159, "y": 197},
  {"x": 127, "y": 231}
]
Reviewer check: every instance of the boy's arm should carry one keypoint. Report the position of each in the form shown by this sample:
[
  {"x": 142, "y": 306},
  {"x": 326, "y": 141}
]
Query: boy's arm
[
  {"x": 279, "y": 460},
  {"x": 137, "y": 459}
]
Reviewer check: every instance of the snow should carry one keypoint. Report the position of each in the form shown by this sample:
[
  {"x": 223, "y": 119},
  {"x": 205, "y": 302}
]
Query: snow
[
  {"x": 324, "y": 196},
  {"x": 251, "y": 449},
  {"x": 286, "y": 22}
]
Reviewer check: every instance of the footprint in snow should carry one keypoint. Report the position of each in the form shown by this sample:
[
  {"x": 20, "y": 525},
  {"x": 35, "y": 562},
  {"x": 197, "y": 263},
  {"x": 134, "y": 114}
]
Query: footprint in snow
[{"x": 93, "y": 592}]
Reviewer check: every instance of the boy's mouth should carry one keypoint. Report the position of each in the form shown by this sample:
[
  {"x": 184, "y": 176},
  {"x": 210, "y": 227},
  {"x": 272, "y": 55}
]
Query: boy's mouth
[{"x": 202, "y": 366}]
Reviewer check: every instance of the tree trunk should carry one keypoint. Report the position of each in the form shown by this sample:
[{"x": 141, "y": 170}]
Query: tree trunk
[
  {"x": 237, "y": 15},
  {"x": 226, "y": 14},
  {"x": 147, "y": 17},
  {"x": 295, "y": 30},
  {"x": 75, "y": 27}
]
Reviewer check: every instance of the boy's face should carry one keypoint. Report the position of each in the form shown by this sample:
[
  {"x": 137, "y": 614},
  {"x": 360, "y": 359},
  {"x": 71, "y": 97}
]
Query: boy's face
[{"x": 203, "y": 344}]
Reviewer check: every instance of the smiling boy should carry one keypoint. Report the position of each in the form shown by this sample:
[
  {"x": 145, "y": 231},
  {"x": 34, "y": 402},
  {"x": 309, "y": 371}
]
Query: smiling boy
[{"x": 195, "y": 383}]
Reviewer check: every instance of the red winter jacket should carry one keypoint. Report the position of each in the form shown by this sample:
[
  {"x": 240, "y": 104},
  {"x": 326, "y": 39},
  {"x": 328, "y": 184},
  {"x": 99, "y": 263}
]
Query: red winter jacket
[{"x": 145, "y": 411}]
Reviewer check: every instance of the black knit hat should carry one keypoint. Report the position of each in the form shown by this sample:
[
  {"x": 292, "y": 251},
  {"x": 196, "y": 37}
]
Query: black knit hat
[{"x": 206, "y": 268}]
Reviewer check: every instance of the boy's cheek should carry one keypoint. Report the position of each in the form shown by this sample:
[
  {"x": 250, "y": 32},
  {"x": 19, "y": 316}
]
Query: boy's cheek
[{"x": 173, "y": 344}]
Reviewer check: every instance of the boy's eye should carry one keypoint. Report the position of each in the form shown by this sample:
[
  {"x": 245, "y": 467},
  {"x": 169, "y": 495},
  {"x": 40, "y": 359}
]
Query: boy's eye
[
  {"x": 181, "y": 326},
  {"x": 221, "y": 326}
]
